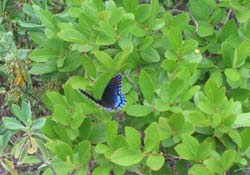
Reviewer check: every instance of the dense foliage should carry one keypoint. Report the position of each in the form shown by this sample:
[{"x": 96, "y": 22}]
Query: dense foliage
[{"x": 185, "y": 67}]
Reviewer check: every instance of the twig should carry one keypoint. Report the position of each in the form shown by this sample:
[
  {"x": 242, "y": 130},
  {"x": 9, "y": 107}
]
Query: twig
[
  {"x": 178, "y": 4},
  {"x": 135, "y": 86},
  {"x": 228, "y": 16}
]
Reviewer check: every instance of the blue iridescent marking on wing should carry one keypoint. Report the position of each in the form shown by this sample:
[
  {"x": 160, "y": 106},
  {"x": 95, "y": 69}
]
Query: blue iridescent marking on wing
[{"x": 112, "y": 97}]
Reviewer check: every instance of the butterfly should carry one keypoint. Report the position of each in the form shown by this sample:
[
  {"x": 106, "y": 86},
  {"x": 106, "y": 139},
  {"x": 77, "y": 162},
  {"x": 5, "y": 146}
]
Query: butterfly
[{"x": 112, "y": 97}]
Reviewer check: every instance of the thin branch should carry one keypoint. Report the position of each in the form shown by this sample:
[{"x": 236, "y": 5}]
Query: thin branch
[
  {"x": 178, "y": 4},
  {"x": 228, "y": 16}
]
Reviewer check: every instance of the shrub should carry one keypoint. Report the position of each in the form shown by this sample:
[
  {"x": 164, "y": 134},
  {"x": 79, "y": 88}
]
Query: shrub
[{"x": 185, "y": 77}]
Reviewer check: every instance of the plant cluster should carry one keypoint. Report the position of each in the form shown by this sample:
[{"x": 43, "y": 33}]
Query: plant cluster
[{"x": 185, "y": 68}]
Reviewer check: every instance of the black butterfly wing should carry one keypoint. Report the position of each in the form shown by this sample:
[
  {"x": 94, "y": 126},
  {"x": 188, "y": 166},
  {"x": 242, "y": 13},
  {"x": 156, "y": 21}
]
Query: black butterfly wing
[{"x": 112, "y": 97}]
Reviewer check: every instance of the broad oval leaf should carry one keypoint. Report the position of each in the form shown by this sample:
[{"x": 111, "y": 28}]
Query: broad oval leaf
[
  {"x": 73, "y": 35},
  {"x": 155, "y": 162},
  {"x": 150, "y": 55},
  {"x": 126, "y": 156},
  {"x": 105, "y": 59},
  {"x": 138, "y": 110}
]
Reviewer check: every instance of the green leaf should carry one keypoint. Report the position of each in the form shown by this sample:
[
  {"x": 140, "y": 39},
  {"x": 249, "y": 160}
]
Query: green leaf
[
  {"x": 11, "y": 123},
  {"x": 48, "y": 128},
  {"x": 245, "y": 139},
  {"x": 228, "y": 29},
  {"x": 154, "y": 9},
  {"x": 121, "y": 59},
  {"x": 176, "y": 121},
  {"x": 48, "y": 20},
  {"x": 116, "y": 15},
  {"x": 199, "y": 9},
  {"x": 16, "y": 110},
  {"x": 126, "y": 43},
  {"x": 26, "y": 111},
  {"x": 242, "y": 120},
  {"x": 29, "y": 11},
  {"x": 150, "y": 55},
  {"x": 61, "y": 149},
  {"x": 61, "y": 114},
  {"x": 204, "y": 150},
  {"x": 215, "y": 94},
  {"x": 243, "y": 52},
  {"x": 193, "y": 58},
  {"x": 102, "y": 170},
  {"x": 56, "y": 98},
  {"x": 118, "y": 170},
  {"x": 165, "y": 130},
  {"x": 146, "y": 42},
  {"x": 228, "y": 53},
  {"x": 71, "y": 63},
  {"x": 23, "y": 152},
  {"x": 130, "y": 5},
  {"x": 152, "y": 138},
  {"x": 85, "y": 129},
  {"x": 138, "y": 110},
  {"x": 155, "y": 162},
  {"x": 142, "y": 13},
  {"x": 104, "y": 39},
  {"x": 138, "y": 31},
  {"x": 83, "y": 150},
  {"x": 89, "y": 66},
  {"x": 4, "y": 140},
  {"x": 232, "y": 75},
  {"x": 111, "y": 132},
  {"x": 181, "y": 21},
  {"x": 38, "y": 123},
  {"x": 169, "y": 65},
  {"x": 199, "y": 119},
  {"x": 188, "y": 47},
  {"x": 190, "y": 93},
  {"x": 43, "y": 68},
  {"x": 77, "y": 118},
  {"x": 239, "y": 94},
  {"x": 205, "y": 29},
  {"x": 235, "y": 136},
  {"x": 100, "y": 84},
  {"x": 228, "y": 158},
  {"x": 73, "y": 35},
  {"x": 105, "y": 59},
  {"x": 133, "y": 138},
  {"x": 214, "y": 165},
  {"x": 198, "y": 169},
  {"x": 146, "y": 86},
  {"x": 174, "y": 38},
  {"x": 126, "y": 157},
  {"x": 175, "y": 89},
  {"x": 156, "y": 24},
  {"x": 125, "y": 26},
  {"x": 188, "y": 149},
  {"x": 242, "y": 15},
  {"x": 101, "y": 148},
  {"x": 42, "y": 148},
  {"x": 97, "y": 134},
  {"x": 43, "y": 55}
]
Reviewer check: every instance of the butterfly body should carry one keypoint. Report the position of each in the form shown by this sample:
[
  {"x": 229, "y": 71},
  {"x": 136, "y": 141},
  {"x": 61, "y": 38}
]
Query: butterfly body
[{"x": 112, "y": 97}]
